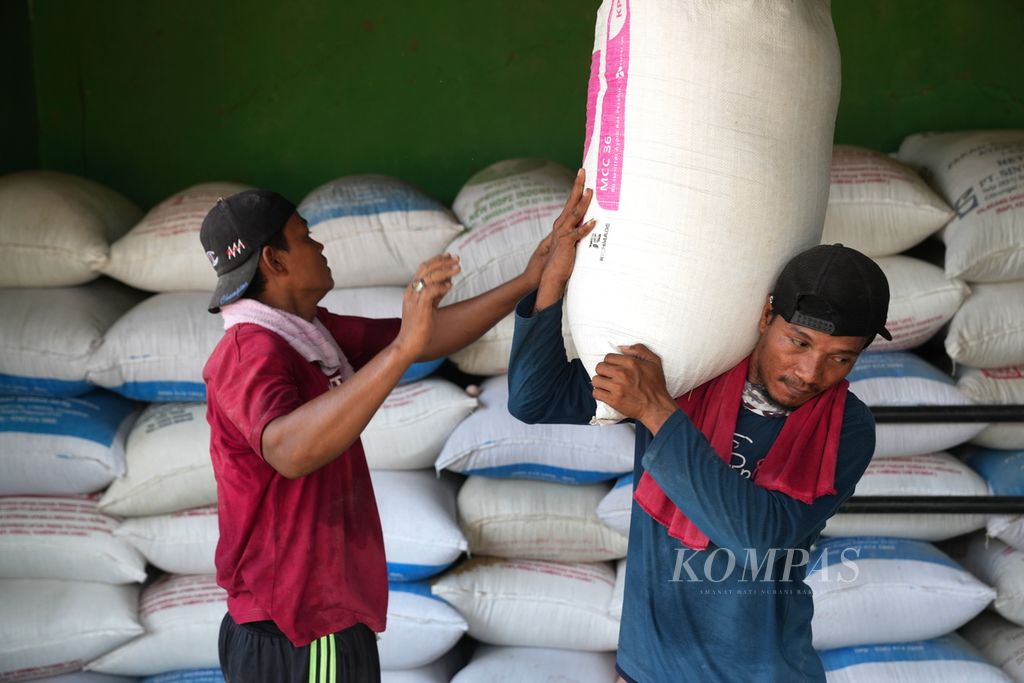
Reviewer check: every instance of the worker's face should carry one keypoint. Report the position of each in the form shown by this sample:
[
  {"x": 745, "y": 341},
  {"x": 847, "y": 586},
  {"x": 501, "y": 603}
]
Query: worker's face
[
  {"x": 307, "y": 267},
  {"x": 795, "y": 363}
]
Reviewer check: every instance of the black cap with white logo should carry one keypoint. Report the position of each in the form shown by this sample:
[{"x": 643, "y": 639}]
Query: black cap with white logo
[
  {"x": 834, "y": 289},
  {"x": 232, "y": 234}
]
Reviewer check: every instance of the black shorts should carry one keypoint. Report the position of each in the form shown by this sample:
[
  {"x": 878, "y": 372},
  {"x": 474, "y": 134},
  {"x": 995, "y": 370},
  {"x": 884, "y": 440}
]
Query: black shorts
[{"x": 258, "y": 652}]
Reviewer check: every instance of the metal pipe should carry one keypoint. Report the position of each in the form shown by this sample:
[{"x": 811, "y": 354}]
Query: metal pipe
[
  {"x": 964, "y": 413},
  {"x": 983, "y": 505}
]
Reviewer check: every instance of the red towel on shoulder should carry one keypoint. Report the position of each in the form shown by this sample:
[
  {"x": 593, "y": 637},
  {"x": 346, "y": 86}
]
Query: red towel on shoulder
[{"x": 801, "y": 463}]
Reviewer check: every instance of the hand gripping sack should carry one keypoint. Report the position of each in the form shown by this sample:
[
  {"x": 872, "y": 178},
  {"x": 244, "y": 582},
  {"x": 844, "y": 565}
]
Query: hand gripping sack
[{"x": 709, "y": 142}]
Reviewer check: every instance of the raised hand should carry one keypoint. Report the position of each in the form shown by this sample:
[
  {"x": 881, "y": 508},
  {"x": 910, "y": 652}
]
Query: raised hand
[
  {"x": 567, "y": 231},
  {"x": 431, "y": 282}
]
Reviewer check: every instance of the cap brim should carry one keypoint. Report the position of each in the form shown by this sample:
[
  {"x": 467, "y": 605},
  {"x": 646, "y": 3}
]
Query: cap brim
[
  {"x": 232, "y": 285},
  {"x": 885, "y": 334}
]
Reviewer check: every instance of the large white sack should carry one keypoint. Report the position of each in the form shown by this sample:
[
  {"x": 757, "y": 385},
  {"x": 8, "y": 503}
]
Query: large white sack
[
  {"x": 876, "y": 590},
  {"x": 508, "y": 207},
  {"x": 616, "y": 507},
  {"x": 493, "y": 443},
  {"x": 619, "y": 591},
  {"x": 999, "y": 641},
  {"x": 996, "y": 386},
  {"x": 492, "y": 664},
  {"x": 1003, "y": 471},
  {"x": 156, "y": 351},
  {"x": 377, "y": 302},
  {"x": 417, "y": 515},
  {"x": 53, "y": 627},
  {"x": 980, "y": 174},
  {"x": 988, "y": 330},
  {"x": 421, "y": 627},
  {"x": 47, "y": 336},
  {"x": 709, "y": 142},
  {"x": 168, "y": 463},
  {"x": 538, "y": 520},
  {"x": 162, "y": 252},
  {"x": 439, "y": 671},
  {"x": 1001, "y": 566},
  {"x": 61, "y": 446},
  {"x": 56, "y": 228},
  {"x": 903, "y": 379},
  {"x": 376, "y": 230},
  {"x": 179, "y": 543},
  {"x": 921, "y": 300},
  {"x": 410, "y": 428},
  {"x": 878, "y": 205},
  {"x": 181, "y": 615},
  {"x": 948, "y": 658},
  {"x": 43, "y": 537},
  {"x": 934, "y": 474},
  {"x": 534, "y": 603},
  {"x": 91, "y": 677}
]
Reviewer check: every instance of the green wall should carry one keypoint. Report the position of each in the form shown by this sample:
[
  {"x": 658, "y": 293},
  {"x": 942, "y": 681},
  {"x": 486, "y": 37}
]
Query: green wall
[
  {"x": 150, "y": 97},
  {"x": 18, "y": 135}
]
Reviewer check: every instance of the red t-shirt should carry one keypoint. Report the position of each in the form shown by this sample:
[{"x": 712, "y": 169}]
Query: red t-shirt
[{"x": 307, "y": 553}]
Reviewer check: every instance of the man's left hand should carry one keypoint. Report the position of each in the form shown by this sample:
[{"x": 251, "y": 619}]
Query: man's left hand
[{"x": 633, "y": 383}]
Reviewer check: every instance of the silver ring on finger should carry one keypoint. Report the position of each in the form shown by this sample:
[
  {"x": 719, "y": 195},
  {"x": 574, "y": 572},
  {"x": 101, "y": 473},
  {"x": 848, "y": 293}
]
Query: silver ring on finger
[{"x": 418, "y": 285}]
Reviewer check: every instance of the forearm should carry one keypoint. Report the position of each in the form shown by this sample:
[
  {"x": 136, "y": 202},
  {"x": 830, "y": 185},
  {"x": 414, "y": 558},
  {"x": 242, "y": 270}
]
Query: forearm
[
  {"x": 319, "y": 431},
  {"x": 462, "y": 323}
]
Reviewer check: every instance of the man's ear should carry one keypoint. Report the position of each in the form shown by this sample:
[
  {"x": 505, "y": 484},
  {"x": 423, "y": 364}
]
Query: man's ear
[
  {"x": 271, "y": 262},
  {"x": 766, "y": 315}
]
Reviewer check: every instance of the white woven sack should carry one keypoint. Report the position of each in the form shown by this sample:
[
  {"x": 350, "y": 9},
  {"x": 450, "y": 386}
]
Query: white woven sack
[
  {"x": 508, "y": 207},
  {"x": 619, "y": 591},
  {"x": 492, "y": 443},
  {"x": 934, "y": 474},
  {"x": 903, "y": 379},
  {"x": 538, "y": 520},
  {"x": 376, "y": 230},
  {"x": 61, "y": 446},
  {"x": 156, "y": 351},
  {"x": 875, "y": 590},
  {"x": 980, "y": 175},
  {"x": 948, "y": 658},
  {"x": 999, "y": 641},
  {"x": 921, "y": 300},
  {"x": 63, "y": 538},
  {"x": 377, "y": 302},
  {"x": 439, "y": 671},
  {"x": 1000, "y": 566},
  {"x": 1003, "y": 471},
  {"x": 988, "y": 330},
  {"x": 421, "y": 627},
  {"x": 53, "y": 627},
  {"x": 996, "y": 386},
  {"x": 181, "y": 615},
  {"x": 616, "y": 508},
  {"x": 48, "y": 335},
  {"x": 534, "y": 603},
  {"x": 709, "y": 142},
  {"x": 168, "y": 463},
  {"x": 56, "y": 228},
  {"x": 93, "y": 677},
  {"x": 179, "y": 543},
  {"x": 537, "y": 665},
  {"x": 417, "y": 515},
  {"x": 162, "y": 252},
  {"x": 408, "y": 431},
  {"x": 878, "y": 205}
]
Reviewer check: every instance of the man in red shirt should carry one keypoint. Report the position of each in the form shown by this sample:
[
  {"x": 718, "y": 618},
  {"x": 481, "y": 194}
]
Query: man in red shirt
[{"x": 290, "y": 387}]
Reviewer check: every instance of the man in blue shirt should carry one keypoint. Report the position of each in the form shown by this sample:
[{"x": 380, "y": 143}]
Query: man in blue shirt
[{"x": 719, "y": 543}]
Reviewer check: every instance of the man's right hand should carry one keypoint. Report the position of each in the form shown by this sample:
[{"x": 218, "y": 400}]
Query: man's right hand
[
  {"x": 567, "y": 231},
  {"x": 419, "y": 304}
]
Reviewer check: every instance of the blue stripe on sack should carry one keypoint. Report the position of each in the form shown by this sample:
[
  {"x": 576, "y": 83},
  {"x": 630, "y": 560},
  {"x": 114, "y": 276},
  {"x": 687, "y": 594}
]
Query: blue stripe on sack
[
  {"x": 945, "y": 649},
  {"x": 93, "y": 417},
  {"x": 187, "y": 676},
  {"x": 528, "y": 470},
  {"x": 400, "y": 572},
  {"x": 624, "y": 480},
  {"x": 418, "y": 371},
  {"x": 164, "y": 391},
  {"x": 895, "y": 364},
  {"x": 1003, "y": 470},
  {"x": 17, "y": 385},
  {"x": 365, "y": 198},
  {"x": 421, "y": 588},
  {"x": 832, "y": 551}
]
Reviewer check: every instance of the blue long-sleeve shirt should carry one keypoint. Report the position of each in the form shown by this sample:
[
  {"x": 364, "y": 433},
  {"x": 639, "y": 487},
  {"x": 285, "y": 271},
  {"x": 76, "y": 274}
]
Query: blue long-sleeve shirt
[{"x": 739, "y": 610}]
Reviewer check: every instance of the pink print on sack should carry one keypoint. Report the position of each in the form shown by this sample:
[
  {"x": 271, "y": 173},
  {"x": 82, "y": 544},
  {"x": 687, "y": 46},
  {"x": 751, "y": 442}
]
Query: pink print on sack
[
  {"x": 593, "y": 86},
  {"x": 613, "y": 108}
]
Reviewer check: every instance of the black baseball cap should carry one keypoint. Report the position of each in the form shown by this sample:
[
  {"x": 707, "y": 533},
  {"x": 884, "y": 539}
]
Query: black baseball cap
[
  {"x": 233, "y": 232},
  {"x": 833, "y": 289}
]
